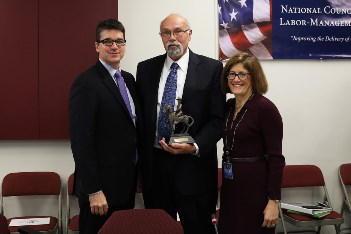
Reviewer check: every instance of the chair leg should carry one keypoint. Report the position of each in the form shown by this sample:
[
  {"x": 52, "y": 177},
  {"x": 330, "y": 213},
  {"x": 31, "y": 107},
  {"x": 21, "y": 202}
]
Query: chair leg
[
  {"x": 319, "y": 229},
  {"x": 337, "y": 229},
  {"x": 215, "y": 222},
  {"x": 282, "y": 219}
]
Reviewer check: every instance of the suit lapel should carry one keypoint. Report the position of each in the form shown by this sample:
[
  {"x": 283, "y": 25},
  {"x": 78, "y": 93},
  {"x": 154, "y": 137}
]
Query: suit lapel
[
  {"x": 191, "y": 75},
  {"x": 154, "y": 81},
  {"x": 111, "y": 85}
]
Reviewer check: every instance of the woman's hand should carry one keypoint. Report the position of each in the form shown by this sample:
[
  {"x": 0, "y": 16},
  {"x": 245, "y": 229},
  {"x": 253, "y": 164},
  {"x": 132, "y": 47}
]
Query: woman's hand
[{"x": 271, "y": 214}]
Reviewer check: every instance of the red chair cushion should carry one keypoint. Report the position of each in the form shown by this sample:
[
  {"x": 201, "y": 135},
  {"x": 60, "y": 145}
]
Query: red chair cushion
[
  {"x": 74, "y": 223},
  {"x": 298, "y": 217}
]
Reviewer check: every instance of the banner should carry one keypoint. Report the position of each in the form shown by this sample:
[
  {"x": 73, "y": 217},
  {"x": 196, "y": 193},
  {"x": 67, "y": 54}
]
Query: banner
[{"x": 285, "y": 29}]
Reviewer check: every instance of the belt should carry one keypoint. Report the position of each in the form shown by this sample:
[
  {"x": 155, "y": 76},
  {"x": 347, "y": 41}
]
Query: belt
[{"x": 247, "y": 160}]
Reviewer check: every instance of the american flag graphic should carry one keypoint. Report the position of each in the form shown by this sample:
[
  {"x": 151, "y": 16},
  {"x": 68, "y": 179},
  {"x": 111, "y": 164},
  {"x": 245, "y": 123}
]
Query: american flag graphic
[{"x": 245, "y": 25}]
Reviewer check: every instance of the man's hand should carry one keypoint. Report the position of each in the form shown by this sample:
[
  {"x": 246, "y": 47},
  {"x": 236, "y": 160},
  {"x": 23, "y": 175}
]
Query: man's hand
[
  {"x": 177, "y": 148},
  {"x": 98, "y": 204}
]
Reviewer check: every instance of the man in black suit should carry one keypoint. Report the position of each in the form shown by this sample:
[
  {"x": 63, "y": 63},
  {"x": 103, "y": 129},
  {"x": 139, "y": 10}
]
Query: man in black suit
[
  {"x": 182, "y": 177},
  {"x": 104, "y": 116}
]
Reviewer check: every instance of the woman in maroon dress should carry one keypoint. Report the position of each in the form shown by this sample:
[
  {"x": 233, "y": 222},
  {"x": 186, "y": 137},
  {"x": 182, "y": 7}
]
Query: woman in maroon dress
[{"x": 252, "y": 161}]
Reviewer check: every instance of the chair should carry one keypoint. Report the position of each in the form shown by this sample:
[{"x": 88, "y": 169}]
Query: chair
[
  {"x": 27, "y": 230},
  {"x": 307, "y": 178},
  {"x": 4, "y": 227},
  {"x": 72, "y": 221},
  {"x": 32, "y": 186},
  {"x": 136, "y": 221},
  {"x": 139, "y": 189},
  {"x": 345, "y": 180},
  {"x": 219, "y": 186}
]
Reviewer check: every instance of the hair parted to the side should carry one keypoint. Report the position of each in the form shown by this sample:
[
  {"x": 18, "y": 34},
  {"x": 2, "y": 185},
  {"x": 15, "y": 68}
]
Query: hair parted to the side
[
  {"x": 250, "y": 63},
  {"x": 109, "y": 24}
]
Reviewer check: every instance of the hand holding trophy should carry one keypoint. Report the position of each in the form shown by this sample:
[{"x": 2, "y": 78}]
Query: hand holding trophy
[{"x": 177, "y": 117}]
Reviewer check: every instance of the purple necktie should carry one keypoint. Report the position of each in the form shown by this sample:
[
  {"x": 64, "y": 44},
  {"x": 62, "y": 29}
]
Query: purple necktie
[
  {"x": 169, "y": 96},
  {"x": 123, "y": 90}
]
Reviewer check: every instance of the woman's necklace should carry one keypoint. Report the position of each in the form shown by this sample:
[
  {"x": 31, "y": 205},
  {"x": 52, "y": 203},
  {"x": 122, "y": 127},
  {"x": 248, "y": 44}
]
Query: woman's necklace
[
  {"x": 237, "y": 109},
  {"x": 226, "y": 128},
  {"x": 231, "y": 125}
]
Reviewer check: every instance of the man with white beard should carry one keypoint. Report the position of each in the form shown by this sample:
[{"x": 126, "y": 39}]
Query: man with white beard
[{"x": 181, "y": 177}]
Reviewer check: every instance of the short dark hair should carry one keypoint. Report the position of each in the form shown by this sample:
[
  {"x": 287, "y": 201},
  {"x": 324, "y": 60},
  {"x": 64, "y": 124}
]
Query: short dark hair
[
  {"x": 109, "y": 24},
  {"x": 250, "y": 63}
]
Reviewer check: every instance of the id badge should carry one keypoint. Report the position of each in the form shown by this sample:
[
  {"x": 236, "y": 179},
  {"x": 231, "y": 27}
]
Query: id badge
[{"x": 228, "y": 170}]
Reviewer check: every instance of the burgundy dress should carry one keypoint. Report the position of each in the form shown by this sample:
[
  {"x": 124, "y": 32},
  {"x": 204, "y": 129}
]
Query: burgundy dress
[{"x": 256, "y": 131}]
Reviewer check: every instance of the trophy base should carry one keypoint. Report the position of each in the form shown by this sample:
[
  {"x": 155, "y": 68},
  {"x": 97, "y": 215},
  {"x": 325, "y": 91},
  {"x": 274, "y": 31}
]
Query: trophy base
[{"x": 181, "y": 138}]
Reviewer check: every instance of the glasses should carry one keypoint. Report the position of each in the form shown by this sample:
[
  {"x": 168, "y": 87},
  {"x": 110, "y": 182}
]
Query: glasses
[
  {"x": 176, "y": 33},
  {"x": 109, "y": 42},
  {"x": 241, "y": 75}
]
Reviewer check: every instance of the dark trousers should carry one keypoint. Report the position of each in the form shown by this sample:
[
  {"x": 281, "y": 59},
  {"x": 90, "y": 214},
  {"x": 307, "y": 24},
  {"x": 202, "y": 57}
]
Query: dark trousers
[
  {"x": 193, "y": 210},
  {"x": 90, "y": 223}
]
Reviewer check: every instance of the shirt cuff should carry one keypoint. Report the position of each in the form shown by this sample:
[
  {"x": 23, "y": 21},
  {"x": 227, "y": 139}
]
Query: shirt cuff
[
  {"x": 91, "y": 194},
  {"x": 197, "y": 150}
]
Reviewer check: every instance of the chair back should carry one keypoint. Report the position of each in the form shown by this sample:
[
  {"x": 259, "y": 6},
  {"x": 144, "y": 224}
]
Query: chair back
[
  {"x": 71, "y": 221},
  {"x": 70, "y": 184},
  {"x": 345, "y": 179},
  {"x": 345, "y": 173},
  {"x": 302, "y": 176},
  {"x": 146, "y": 221},
  {"x": 139, "y": 189},
  {"x": 220, "y": 178},
  {"x": 31, "y": 183}
]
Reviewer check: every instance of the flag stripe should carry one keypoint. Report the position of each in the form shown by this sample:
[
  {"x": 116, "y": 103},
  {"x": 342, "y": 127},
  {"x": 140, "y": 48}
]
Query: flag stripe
[
  {"x": 225, "y": 43},
  {"x": 261, "y": 11},
  {"x": 266, "y": 29},
  {"x": 253, "y": 33},
  {"x": 260, "y": 51}
]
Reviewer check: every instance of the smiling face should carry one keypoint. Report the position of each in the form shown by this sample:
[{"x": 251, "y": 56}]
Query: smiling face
[
  {"x": 111, "y": 55},
  {"x": 240, "y": 88}
]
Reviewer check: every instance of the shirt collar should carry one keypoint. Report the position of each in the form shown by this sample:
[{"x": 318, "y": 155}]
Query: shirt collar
[{"x": 109, "y": 68}]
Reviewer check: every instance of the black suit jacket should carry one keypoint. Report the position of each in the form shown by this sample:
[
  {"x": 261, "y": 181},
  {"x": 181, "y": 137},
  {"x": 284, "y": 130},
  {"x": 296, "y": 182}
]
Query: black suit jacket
[
  {"x": 203, "y": 100},
  {"x": 103, "y": 136}
]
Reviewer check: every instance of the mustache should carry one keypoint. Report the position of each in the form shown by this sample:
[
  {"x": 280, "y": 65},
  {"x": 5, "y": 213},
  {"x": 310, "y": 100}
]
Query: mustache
[{"x": 172, "y": 43}]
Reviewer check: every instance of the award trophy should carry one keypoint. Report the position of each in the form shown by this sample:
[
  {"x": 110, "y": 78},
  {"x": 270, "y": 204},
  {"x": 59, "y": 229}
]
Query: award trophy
[{"x": 177, "y": 117}]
